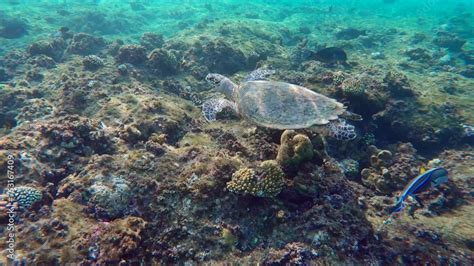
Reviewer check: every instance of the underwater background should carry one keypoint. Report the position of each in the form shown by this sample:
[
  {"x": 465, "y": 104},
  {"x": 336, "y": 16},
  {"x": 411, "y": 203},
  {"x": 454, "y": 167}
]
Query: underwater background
[{"x": 106, "y": 155}]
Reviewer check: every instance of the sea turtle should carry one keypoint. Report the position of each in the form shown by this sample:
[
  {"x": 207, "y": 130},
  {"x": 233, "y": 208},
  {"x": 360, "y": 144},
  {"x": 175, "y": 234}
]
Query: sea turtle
[{"x": 278, "y": 105}]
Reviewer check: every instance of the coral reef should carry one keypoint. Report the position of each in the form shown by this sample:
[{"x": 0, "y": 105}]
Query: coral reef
[
  {"x": 294, "y": 149},
  {"x": 151, "y": 40},
  {"x": 119, "y": 240},
  {"x": 162, "y": 62},
  {"x": 349, "y": 33},
  {"x": 350, "y": 168},
  {"x": 398, "y": 84},
  {"x": 114, "y": 164},
  {"x": 52, "y": 48},
  {"x": 132, "y": 54},
  {"x": 85, "y": 44},
  {"x": 92, "y": 62},
  {"x": 293, "y": 253},
  {"x": 4, "y": 76},
  {"x": 418, "y": 54},
  {"x": 14, "y": 58},
  {"x": 221, "y": 56},
  {"x": 265, "y": 181},
  {"x": 99, "y": 21},
  {"x": 77, "y": 134},
  {"x": 42, "y": 61},
  {"x": 353, "y": 87},
  {"x": 34, "y": 109},
  {"x": 449, "y": 41},
  {"x": 109, "y": 194},
  {"x": 24, "y": 196},
  {"x": 390, "y": 172}
]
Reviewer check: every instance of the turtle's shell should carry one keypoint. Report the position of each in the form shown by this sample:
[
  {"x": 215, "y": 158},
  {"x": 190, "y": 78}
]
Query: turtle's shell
[{"x": 282, "y": 105}]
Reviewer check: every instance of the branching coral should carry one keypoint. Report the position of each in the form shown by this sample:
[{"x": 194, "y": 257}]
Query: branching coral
[{"x": 266, "y": 181}]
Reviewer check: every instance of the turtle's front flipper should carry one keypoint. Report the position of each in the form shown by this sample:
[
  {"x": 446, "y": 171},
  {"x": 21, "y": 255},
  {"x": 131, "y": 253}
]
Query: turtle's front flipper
[
  {"x": 259, "y": 74},
  {"x": 340, "y": 130},
  {"x": 212, "y": 107}
]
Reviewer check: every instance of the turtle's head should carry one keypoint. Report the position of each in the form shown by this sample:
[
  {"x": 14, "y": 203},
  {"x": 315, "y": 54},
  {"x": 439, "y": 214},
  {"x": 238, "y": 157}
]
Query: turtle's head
[{"x": 223, "y": 84}]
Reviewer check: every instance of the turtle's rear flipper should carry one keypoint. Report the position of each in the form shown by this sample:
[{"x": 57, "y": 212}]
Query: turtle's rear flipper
[
  {"x": 212, "y": 107},
  {"x": 259, "y": 74},
  {"x": 340, "y": 130}
]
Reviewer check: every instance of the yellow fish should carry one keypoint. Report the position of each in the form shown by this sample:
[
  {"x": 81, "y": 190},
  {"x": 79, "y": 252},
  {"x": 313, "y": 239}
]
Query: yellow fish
[{"x": 422, "y": 169}]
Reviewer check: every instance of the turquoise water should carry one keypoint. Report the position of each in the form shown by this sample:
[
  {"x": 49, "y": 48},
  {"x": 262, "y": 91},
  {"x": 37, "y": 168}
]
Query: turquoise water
[
  {"x": 424, "y": 15},
  {"x": 239, "y": 132}
]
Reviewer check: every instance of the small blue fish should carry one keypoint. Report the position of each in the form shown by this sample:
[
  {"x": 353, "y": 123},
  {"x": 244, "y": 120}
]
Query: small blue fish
[{"x": 433, "y": 177}]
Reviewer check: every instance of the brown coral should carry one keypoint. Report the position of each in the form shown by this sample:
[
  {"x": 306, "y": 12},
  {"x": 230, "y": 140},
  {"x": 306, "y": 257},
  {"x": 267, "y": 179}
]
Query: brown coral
[
  {"x": 222, "y": 56},
  {"x": 151, "y": 40},
  {"x": 92, "y": 62},
  {"x": 133, "y": 54},
  {"x": 295, "y": 253},
  {"x": 266, "y": 181},
  {"x": 85, "y": 44},
  {"x": 162, "y": 62},
  {"x": 121, "y": 239},
  {"x": 294, "y": 149},
  {"x": 52, "y": 48},
  {"x": 389, "y": 173}
]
